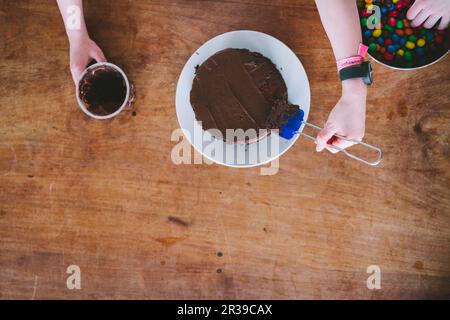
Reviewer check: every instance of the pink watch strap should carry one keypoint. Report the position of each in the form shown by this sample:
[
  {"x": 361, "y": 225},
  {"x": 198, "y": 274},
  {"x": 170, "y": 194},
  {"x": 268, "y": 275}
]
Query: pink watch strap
[{"x": 354, "y": 60}]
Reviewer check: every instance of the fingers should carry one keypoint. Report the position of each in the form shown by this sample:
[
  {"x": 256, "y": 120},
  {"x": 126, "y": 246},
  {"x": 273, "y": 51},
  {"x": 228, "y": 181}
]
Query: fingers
[
  {"x": 444, "y": 23},
  {"x": 431, "y": 21},
  {"x": 342, "y": 144},
  {"x": 76, "y": 71},
  {"x": 420, "y": 19},
  {"x": 324, "y": 136},
  {"x": 414, "y": 10},
  {"x": 98, "y": 55}
]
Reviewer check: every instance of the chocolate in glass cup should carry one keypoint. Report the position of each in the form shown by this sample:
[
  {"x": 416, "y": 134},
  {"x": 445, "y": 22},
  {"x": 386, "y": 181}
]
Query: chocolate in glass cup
[{"x": 104, "y": 91}]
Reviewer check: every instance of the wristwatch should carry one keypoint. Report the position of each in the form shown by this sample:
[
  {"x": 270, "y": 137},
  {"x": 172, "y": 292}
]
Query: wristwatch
[{"x": 364, "y": 71}]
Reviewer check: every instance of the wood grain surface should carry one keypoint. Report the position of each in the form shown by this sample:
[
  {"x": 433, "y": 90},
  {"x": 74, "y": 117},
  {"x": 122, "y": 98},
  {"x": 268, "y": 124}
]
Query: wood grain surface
[{"x": 106, "y": 196}]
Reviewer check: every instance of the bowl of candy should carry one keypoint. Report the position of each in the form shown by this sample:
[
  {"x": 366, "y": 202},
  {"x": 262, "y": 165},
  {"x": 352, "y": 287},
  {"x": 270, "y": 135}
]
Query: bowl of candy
[{"x": 393, "y": 42}]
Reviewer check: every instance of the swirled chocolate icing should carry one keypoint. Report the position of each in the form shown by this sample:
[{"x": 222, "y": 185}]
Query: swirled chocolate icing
[{"x": 240, "y": 89}]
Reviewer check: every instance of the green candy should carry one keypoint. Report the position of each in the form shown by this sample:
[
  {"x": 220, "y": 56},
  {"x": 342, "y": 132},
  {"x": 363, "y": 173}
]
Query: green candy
[
  {"x": 423, "y": 32},
  {"x": 399, "y": 24},
  {"x": 364, "y": 22},
  {"x": 412, "y": 38},
  {"x": 408, "y": 56},
  {"x": 373, "y": 47},
  {"x": 388, "y": 28}
]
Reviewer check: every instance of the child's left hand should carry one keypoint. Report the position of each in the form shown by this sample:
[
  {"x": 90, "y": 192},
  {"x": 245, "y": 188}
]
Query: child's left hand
[
  {"x": 82, "y": 51},
  {"x": 346, "y": 119}
]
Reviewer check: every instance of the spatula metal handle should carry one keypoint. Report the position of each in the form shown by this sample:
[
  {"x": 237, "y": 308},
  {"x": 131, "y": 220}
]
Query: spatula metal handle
[{"x": 373, "y": 163}]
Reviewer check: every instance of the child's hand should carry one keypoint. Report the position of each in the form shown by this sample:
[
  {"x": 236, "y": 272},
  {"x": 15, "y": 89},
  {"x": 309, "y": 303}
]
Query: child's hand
[
  {"x": 430, "y": 11},
  {"x": 82, "y": 51},
  {"x": 347, "y": 118}
]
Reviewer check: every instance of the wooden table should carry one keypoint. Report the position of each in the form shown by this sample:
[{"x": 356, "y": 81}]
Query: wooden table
[{"x": 106, "y": 196}]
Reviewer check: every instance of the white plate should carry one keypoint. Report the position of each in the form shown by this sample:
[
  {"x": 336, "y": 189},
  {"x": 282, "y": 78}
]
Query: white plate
[{"x": 298, "y": 90}]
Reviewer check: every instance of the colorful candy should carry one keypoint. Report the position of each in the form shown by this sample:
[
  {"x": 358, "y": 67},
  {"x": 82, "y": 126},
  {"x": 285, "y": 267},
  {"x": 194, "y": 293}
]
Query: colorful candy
[
  {"x": 397, "y": 43},
  {"x": 421, "y": 42},
  {"x": 377, "y": 33},
  {"x": 408, "y": 55},
  {"x": 410, "y": 45},
  {"x": 389, "y": 56}
]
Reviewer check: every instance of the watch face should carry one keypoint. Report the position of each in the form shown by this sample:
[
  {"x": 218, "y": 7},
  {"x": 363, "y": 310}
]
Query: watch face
[
  {"x": 363, "y": 71},
  {"x": 368, "y": 79}
]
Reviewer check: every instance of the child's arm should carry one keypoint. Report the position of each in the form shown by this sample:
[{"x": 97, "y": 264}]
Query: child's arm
[
  {"x": 82, "y": 49},
  {"x": 429, "y": 12},
  {"x": 341, "y": 22}
]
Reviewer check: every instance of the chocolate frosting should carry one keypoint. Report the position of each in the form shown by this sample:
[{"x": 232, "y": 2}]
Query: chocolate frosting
[{"x": 240, "y": 89}]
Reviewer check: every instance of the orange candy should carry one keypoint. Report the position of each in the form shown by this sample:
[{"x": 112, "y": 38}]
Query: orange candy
[{"x": 400, "y": 32}]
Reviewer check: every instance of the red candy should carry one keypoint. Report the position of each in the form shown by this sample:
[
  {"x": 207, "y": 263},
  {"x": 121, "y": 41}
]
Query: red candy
[
  {"x": 392, "y": 22},
  {"x": 393, "y": 13},
  {"x": 364, "y": 13},
  {"x": 388, "y": 56}
]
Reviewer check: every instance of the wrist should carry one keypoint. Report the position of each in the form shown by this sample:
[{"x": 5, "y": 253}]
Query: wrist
[
  {"x": 354, "y": 88},
  {"x": 77, "y": 36},
  {"x": 355, "y": 92}
]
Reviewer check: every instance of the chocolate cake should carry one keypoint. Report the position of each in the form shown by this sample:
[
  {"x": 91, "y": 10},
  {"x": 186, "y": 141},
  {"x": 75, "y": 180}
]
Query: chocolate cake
[
  {"x": 102, "y": 90},
  {"x": 240, "y": 89}
]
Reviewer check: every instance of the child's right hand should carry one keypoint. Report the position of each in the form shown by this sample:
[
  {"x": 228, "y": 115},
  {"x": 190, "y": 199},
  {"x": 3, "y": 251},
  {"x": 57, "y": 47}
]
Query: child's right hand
[
  {"x": 428, "y": 13},
  {"x": 82, "y": 51},
  {"x": 347, "y": 118}
]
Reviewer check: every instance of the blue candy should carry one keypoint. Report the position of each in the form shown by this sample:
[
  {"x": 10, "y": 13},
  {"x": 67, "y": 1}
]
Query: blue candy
[
  {"x": 395, "y": 38},
  {"x": 380, "y": 41},
  {"x": 391, "y": 48},
  {"x": 420, "y": 51}
]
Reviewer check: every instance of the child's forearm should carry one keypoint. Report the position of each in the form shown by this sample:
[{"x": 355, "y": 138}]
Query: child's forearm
[
  {"x": 82, "y": 49},
  {"x": 341, "y": 22},
  {"x": 72, "y": 13}
]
